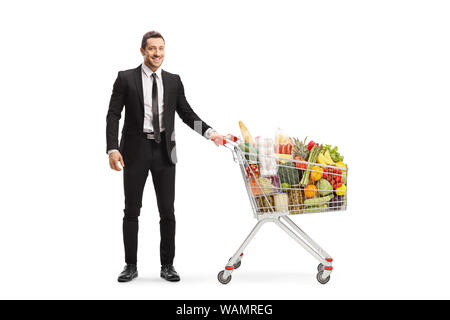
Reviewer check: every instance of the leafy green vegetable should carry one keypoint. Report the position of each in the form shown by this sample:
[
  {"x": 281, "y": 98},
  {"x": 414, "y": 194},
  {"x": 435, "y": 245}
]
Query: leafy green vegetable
[
  {"x": 335, "y": 155},
  {"x": 324, "y": 187},
  {"x": 285, "y": 186}
]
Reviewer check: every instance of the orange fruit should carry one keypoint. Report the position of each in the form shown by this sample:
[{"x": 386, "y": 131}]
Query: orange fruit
[{"x": 310, "y": 191}]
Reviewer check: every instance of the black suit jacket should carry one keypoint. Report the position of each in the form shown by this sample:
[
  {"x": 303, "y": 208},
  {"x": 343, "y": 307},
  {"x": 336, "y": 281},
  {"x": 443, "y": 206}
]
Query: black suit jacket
[{"x": 128, "y": 92}]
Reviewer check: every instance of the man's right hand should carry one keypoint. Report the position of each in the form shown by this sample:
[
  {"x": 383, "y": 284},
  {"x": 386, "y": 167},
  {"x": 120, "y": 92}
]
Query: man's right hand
[{"x": 114, "y": 158}]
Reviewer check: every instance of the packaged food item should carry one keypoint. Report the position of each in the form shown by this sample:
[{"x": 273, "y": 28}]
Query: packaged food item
[
  {"x": 281, "y": 201},
  {"x": 295, "y": 199},
  {"x": 268, "y": 166},
  {"x": 283, "y": 158},
  {"x": 255, "y": 186},
  {"x": 264, "y": 203},
  {"x": 266, "y": 184},
  {"x": 267, "y": 162},
  {"x": 283, "y": 145},
  {"x": 252, "y": 170},
  {"x": 281, "y": 137}
]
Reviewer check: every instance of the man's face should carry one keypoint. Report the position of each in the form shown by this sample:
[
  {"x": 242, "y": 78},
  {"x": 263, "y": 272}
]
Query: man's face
[{"x": 154, "y": 53}]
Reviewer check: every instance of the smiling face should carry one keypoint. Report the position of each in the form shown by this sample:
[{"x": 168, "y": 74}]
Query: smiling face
[{"x": 153, "y": 53}]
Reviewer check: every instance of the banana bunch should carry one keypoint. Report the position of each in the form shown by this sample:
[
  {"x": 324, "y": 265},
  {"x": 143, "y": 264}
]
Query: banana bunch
[{"x": 325, "y": 158}]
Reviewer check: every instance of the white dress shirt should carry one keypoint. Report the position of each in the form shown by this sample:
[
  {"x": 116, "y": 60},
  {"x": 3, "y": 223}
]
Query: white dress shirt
[{"x": 147, "y": 88}]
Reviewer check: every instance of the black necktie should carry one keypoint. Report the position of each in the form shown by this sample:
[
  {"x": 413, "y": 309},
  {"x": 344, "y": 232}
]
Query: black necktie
[{"x": 155, "y": 110}]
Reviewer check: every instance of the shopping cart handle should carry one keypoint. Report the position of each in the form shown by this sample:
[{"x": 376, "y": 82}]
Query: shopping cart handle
[
  {"x": 223, "y": 141},
  {"x": 232, "y": 138},
  {"x": 220, "y": 141}
]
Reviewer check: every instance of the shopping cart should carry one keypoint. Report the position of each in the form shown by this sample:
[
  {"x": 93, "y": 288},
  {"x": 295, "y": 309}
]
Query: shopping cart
[{"x": 273, "y": 201}]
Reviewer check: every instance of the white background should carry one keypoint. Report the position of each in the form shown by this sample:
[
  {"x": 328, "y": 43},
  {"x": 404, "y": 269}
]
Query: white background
[{"x": 369, "y": 76}]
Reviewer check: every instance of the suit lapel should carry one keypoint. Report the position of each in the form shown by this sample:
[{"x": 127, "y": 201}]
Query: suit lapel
[{"x": 138, "y": 82}]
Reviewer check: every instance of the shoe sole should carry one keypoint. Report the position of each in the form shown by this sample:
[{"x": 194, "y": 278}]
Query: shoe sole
[
  {"x": 128, "y": 280},
  {"x": 171, "y": 280}
]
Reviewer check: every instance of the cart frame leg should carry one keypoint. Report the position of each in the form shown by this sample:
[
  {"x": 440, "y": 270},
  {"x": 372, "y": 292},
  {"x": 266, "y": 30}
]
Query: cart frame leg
[
  {"x": 308, "y": 244},
  {"x": 239, "y": 253},
  {"x": 325, "y": 258}
]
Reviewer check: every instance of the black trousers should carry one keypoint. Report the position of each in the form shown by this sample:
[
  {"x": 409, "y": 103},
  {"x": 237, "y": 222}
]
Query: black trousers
[{"x": 151, "y": 157}]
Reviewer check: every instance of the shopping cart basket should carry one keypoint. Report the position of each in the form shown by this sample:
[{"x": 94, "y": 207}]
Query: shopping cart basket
[{"x": 273, "y": 201}]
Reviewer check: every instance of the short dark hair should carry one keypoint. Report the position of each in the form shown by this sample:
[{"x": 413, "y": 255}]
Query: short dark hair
[{"x": 148, "y": 35}]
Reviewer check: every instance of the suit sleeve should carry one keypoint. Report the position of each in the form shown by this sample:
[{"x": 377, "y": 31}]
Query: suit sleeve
[
  {"x": 116, "y": 104},
  {"x": 186, "y": 113}
]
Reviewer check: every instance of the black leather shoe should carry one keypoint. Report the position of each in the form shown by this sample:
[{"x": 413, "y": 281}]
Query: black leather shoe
[
  {"x": 129, "y": 273},
  {"x": 168, "y": 272}
]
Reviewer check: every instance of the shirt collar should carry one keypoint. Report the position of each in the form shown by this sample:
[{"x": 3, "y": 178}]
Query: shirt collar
[{"x": 148, "y": 72}]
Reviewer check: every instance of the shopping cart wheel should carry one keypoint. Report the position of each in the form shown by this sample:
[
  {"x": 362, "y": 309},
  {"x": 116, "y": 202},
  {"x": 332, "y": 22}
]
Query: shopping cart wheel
[
  {"x": 237, "y": 264},
  {"x": 221, "y": 279},
  {"x": 322, "y": 280},
  {"x": 320, "y": 267}
]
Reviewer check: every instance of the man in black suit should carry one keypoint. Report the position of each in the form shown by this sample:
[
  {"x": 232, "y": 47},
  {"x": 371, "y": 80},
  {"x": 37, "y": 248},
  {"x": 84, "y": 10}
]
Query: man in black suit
[{"x": 151, "y": 97}]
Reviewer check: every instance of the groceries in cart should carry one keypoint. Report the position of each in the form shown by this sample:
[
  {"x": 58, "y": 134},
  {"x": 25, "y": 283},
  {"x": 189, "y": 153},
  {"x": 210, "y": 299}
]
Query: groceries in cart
[{"x": 290, "y": 175}]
